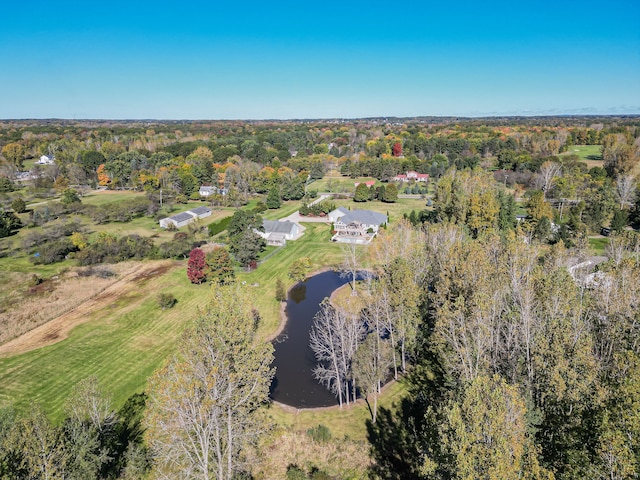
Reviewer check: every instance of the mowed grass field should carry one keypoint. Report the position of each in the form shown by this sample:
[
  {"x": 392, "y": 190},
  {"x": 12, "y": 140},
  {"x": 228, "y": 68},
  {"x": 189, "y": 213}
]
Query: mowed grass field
[
  {"x": 339, "y": 184},
  {"x": 122, "y": 344},
  {"x": 126, "y": 341},
  {"x": 590, "y": 154}
]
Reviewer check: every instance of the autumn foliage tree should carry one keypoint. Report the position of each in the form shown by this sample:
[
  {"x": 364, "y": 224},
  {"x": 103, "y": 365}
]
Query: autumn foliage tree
[
  {"x": 196, "y": 266},
  {"x": 219, "y": 265},
  {"x": 397, "y": 149}
]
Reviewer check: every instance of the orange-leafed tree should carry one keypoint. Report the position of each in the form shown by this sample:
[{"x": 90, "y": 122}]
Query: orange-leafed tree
[{"x": 103, "y": 178}]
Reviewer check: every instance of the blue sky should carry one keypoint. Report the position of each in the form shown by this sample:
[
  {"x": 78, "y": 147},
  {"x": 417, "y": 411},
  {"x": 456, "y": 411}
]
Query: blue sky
[{"x": 257, "y": 60}]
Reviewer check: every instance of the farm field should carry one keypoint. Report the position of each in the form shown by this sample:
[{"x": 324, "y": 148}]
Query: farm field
[{"x": 121, "y": 334}]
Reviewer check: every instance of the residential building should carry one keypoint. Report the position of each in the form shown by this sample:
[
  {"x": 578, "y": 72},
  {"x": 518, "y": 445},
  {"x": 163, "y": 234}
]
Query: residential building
[
  {"x": 358, "y": 226},
  {"x": 277, "y": 232},
  {"x": 46, "y": 160},
  {"x": 412, "y": 176}
]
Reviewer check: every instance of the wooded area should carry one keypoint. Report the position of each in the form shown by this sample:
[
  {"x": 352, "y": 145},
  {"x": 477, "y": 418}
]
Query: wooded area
[{"x": 505, "y": 305}]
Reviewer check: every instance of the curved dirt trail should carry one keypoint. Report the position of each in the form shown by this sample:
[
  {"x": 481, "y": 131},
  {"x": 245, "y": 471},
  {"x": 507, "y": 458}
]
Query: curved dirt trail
[{"x": 58, "y": 329}]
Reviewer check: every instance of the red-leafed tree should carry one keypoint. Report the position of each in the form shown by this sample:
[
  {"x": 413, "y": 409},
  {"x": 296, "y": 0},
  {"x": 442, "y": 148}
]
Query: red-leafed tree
[
  {"x": 397, "y": 149},
  {"x": 196, "y": 266}
]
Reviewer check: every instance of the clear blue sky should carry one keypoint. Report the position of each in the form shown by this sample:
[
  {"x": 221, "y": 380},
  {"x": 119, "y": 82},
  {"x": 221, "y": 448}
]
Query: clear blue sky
[{"x": 257, "y": 60}]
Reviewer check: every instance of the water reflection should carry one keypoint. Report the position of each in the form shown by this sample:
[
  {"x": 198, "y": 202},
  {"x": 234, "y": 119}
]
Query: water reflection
[
  {"x": 294, "y": 360},
  {"x": 298, "y": 293}
]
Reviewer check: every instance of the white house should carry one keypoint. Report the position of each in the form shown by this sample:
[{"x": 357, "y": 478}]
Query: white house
[
  {"x": 208, "y": 190},
  {"x": 358, "y": 226},
  {"x": 277, "y": 232},
  {"x": 412, "y": 175},
  {"x": 200, "y": 212},
  {"x": 46, "y": 160},
  {"x": 178, "y": 220}
]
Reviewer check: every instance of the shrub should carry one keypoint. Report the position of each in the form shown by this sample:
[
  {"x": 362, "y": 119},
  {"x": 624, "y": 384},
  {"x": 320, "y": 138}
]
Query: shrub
[
  {"x": 260, "y": 207},
  {"x": 320, "y": 434},
  {"x": 18, "y": 205},
  {"x": 281, "y": 292},
  {"x": 166, "y": 300},
  {"x": 294, "y": 472},
  {"x": 6, "y": 185},
  {"x": 219, "y": 226},
  {"x": 51, "y": 252}
]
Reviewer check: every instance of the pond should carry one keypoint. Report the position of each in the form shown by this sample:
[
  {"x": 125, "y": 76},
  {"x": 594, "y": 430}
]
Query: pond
[{"x": 294, "y": 383}]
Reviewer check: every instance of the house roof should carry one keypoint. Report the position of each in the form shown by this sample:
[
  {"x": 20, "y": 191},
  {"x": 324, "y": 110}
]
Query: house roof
[
  {"x": 200, "y": 210},
  {"x": 276, "y": 226},
  {"x": 343, "y": 210},
  {"x": 207, "y": 188},
  {"x": 181, "y": 217},
  {"x": 367, "y": 217},
  {"x": 277, "y": 237}
]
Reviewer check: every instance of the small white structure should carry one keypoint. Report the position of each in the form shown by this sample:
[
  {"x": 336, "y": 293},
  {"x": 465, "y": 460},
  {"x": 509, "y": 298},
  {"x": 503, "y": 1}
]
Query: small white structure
[
  {"x": 46, "y": 160},
  {"x": 277, "y": 232},
  {"x": 358, "y": 226},
  {"x": 185, "y": 218},
  {"x": 208, "y": 190}
]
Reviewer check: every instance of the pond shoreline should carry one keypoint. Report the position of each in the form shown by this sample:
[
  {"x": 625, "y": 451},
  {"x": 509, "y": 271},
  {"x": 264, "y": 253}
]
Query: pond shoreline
[
  {"x": 283, "y": 305},
  {"x": 360, "y": 402}
]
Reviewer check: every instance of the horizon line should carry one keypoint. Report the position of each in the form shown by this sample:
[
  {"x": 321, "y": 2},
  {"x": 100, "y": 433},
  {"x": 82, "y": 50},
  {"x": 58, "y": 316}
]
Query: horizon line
[{"x": 319, "y": 119}]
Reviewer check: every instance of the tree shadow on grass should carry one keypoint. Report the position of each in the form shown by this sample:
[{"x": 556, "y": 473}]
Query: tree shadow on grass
[{"x": 402, "y": 435}]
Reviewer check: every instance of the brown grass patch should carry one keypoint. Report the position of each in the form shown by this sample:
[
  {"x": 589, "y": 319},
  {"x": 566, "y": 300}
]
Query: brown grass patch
[
  {"x": 35, "y": 320},
  {"x": 344, "y": 299},
  {"x": 342, "y": 458}
]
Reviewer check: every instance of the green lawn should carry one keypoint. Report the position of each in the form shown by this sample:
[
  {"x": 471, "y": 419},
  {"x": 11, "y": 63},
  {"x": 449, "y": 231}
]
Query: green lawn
[
  {"x": 393, "y": 210},
  {"x": 598, "y": 244},
  {"x": 315, "y": 244},
  {"x": 591, "y": 154},
  {"x": 124, "y": 343},
  {"x": 111, "y": 196},
  {"x": 339, "y": 184}
]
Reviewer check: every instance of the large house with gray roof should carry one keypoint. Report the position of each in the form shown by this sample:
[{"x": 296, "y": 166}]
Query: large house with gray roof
[{"x": 357, "y": 226}]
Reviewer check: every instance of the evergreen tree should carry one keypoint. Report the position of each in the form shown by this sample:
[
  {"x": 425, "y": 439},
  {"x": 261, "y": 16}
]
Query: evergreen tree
[
  {"x": 273, "y": 198},
  {"x": 362, "y": 193}
]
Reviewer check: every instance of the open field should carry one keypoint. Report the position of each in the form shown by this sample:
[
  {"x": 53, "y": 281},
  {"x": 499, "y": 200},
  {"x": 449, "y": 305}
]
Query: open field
[
  {"x": 590, "y": 154},
  {"x": 121, "y": 335},
  {"x": 339, "y": 184},
  {"x": 122, "y": 341}
]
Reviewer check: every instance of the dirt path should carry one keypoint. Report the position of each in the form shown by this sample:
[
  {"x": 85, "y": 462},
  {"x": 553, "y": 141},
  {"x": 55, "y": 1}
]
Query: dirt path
[{"x": 58, "y": 329}]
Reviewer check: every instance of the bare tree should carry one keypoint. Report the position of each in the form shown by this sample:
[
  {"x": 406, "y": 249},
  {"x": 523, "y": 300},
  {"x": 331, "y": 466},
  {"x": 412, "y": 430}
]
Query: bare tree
[
  {"x": 371, "y": 366},
  {"x": 615, "y": 249},
  {"x": 625, "y": 190},
  {"x": 351, "y": 263},
  {"x": 548, "y": 171},
  {"x": 335, "y": 337}
]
